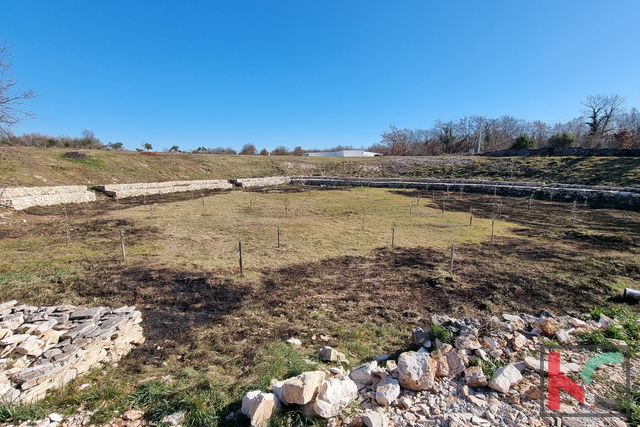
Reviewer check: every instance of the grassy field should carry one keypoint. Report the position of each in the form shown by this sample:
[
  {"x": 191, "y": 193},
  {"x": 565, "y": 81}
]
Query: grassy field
[
  {"x": 22, "y": 166},
  {"x": 334, "y": 280}
]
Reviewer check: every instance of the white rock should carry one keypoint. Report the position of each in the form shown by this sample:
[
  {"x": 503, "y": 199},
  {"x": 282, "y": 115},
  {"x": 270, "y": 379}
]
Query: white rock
[
  {"x": 375, "y": 419},
  {"x": 563, "y": 336},
  {"x": 504, "y": 378},
  {"x": 467, "y": 342},
  {"x": 416, "y": 371},
  {"x": 333, "y": 396},
  {"x": 363, "y": 373},
  {"x": 259, "y": 407},
  {"x": 56, "y": 418},
  {"x": 303, "y": 388},
  {"x": 177, "y": 418},
  {"x": 294, "y": 341},
  {"x": 387, "y": 391}
]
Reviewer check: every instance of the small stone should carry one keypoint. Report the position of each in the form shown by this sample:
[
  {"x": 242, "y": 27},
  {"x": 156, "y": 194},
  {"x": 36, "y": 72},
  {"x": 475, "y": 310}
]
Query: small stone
[
  {"x": 474, "y": 377},
  {"x": 416, "y": 371},
  {"x": 467, "y": 342},
  {"x": 387, "y": 391},
  {"x": 333, "y": 396},
  {"x": 132, "y": 415},
  {"x": 364, "y": 372},
  {"x": 504, "y": 378},
  {"x": 56, "y": 418},
  {"x": 375, "y": 419},
  {"x": 294, "y": 341},
  {"x": 303, "y": 388},
  {"x": 174, "y": 419},
  {"x": 563, "y": 336},
  {"x": 548, "y": 326}
]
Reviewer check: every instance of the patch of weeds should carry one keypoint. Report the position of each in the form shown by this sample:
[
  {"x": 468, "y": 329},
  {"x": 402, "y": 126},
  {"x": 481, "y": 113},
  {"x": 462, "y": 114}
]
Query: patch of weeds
[
  {"x": 611, "y": 312},
  {"x": 293, "y": 418},
  {"x": 20, "y": 412},
  {"x": 203, "y": 400},
  {"x": 441, "y": 333},
  {"x": 593, "y": 338},
  {"x": 278, "y": 360}
]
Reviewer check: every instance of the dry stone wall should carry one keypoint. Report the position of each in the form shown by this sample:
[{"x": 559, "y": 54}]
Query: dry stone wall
[
  {"x": 262, "y": 182},
  {"x": 121, "y": 191},
  {"x": 46, "y": 347},
  {"x": 19, "y": 198},
  {"x": 619, "y": 197}
]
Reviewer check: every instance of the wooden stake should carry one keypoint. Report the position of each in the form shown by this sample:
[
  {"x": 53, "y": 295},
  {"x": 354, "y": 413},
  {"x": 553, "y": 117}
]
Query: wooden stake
[
  {"x": 240, "y": 255},
  {"x": 362, "y": 224},
  {"x": 144, "y": 200},
  {"x": 278, "y": 236},
  {"x": 470, "y": 220},
  {"x": 393, "y": 237},
  {"x": 410, "y": 209},
  {"x": 453, "y": 255},
  {"x": 66, "y": 225},
  {"x": 202, "y": 196},
  {"x": 492, "y": 229},
  {"x": 124, "y": 252}
]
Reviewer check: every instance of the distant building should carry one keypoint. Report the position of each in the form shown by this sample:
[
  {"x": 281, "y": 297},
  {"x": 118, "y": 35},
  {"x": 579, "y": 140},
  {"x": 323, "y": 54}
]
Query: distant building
[{"x": 344, "y": 153}]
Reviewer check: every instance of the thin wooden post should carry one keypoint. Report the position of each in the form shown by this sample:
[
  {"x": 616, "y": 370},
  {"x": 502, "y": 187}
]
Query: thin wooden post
[
  {"x": 202, "y": 196},
  {"x": 278, "y": 236},
  {"x": 240, "y": 255},
  {"x": 470, "y": 220},
  {"x": 418, "y": 203},
  {"x": 124, "y": 252},
  {"x": 393, "y": 237},
  {"x": 250, "y": 204},
  {"x": 453, "y": 255},
  {"x": 66, "y": 225},
  {"x": 286, "y": 211},
  {"x": 410, "y": 209},
  {"x": 144, "y": 200},
  {"x": 492, "y": 229}
]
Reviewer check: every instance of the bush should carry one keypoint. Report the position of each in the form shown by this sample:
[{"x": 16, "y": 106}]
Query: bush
[
  {"x": 564, "y": 139},
  {"x": 524, "y": 141}
]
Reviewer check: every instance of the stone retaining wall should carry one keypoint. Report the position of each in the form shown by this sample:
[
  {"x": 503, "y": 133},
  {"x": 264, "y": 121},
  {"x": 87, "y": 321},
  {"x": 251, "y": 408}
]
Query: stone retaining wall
[
  {"x": 46, "y": 347},
  {"x": 261, "y": 182},
  {"x": 596, "y": 196},
  {"x": 19, "y": 198},
  {"x": 566, "y": 151},
  {"x": 121, "y": 191}
]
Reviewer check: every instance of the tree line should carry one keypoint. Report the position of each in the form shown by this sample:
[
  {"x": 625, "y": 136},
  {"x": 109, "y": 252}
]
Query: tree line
[{"x": 604, "y": 123}]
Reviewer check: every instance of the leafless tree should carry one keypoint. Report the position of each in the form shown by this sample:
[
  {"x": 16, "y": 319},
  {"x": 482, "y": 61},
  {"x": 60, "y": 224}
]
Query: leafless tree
[
  {"x": 248, "y": 150},
  {"x": 13, "y": 98},
  {"x": 600, "y": 112}
]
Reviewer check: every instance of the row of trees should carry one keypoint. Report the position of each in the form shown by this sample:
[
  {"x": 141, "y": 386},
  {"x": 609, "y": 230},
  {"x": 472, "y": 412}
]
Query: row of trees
[{"x": 603, "y": 123}]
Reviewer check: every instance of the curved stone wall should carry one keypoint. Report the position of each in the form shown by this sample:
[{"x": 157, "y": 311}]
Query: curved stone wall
[
  {"x": 595, "y": 196},
  {"x": 19, "y": 198},
  {"x": 261, "y": 182},
  {"x": 121, "y": 191}
]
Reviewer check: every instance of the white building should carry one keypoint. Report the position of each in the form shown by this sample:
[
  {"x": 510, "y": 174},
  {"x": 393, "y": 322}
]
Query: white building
[{"x": 344, "y": 153}]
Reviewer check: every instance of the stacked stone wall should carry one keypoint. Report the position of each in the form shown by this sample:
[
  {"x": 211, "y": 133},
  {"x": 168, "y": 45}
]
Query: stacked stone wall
[
  {"x": 19, "y": 198},
  {"x": 121, "y": 191},
  {"x": 622, "y": 197},
  {"x": 262, "y": 182},
  {"x": 566, "y": 151},
  {"x": 42, "y": 348}
]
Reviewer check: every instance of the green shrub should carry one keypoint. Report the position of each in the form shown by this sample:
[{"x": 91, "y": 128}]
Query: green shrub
[
  {"x": 524, "y": 141},
  {"x": 440, "y": 332},
  {"x": 564, "y": 139}
]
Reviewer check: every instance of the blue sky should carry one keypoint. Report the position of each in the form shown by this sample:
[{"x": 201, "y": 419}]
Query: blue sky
[{"x": 308, "y": 72}]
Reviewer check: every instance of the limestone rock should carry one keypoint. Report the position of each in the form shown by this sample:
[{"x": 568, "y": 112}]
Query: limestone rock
[
  {"x": 387, "y": 391},
  {"x": 259, "y": 407},
  {"x": 474, "y": 377},
  {"x": 504, "y": 378},
  {"x": 547, "y": 325},
  {"x": 363, "y": 373},
  {"x": 328, "y": 354},
  {"x": 455, "y": 362},
  {"x": 333, "y": 396},
  {"x": 303, "y": 388},
  {"x": 467, "y": 342},
  {"x": 375, "y": 419},
  {"x": 416, "y": 371},
  {"x": 563, "y": 336},
  {"x": 518, "y": 342},
  {"x": 176, "y": 418}
]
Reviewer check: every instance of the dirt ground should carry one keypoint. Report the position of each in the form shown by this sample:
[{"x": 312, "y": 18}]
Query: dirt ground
[{"x": 561, "y": 260}]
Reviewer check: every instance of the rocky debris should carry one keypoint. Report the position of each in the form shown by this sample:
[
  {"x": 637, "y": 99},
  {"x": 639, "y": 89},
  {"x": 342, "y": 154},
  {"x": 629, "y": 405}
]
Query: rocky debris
[
  {"x": 444, "y": 385},
  {"x": 47, "y": 347},
  {"x": 75, "y": 155}
]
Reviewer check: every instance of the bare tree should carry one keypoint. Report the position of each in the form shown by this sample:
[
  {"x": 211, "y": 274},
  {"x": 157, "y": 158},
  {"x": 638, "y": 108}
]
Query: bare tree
[
  {"x": 12, "y": 97},
  {"x": 600, "y": 111},
  {"x": 248, "y": 150}
]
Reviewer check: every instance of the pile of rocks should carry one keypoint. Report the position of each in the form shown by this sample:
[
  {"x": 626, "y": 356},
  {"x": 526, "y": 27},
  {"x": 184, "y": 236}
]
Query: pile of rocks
[
  {"x": 19, "y": 198},
  {"x": 121, "y": 191},
  {"x": 444, "y": 384},
  {"x": 46, "y": 347},
  {"x": 261, "y": 182}
]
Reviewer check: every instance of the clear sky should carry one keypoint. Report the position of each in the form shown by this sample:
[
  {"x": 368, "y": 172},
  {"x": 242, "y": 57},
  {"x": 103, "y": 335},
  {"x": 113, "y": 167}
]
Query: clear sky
[{"x": 314, "y": 73}]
